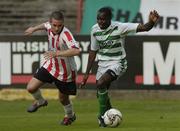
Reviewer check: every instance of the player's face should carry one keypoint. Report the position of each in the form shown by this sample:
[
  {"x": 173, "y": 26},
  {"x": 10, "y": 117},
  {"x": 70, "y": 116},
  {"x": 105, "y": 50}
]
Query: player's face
[
  {"x": 56, "y": 25},
  {"x": 103, "y": 21}
]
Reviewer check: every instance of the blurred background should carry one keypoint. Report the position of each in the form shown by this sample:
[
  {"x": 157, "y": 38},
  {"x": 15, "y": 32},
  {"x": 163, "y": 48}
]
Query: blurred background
[
  {"x": 17, "y": 15},
  {"x": 153, "y": 57},
  {"x": 80, "y": 15}
]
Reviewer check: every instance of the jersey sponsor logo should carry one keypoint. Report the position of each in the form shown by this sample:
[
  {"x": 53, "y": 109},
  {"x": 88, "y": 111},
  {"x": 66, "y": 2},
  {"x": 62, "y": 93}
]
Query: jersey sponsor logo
[{"x": 106, "y": 44}]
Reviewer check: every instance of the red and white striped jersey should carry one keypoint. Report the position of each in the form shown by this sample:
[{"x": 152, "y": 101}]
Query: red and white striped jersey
[{"x": 62, "y": 68}]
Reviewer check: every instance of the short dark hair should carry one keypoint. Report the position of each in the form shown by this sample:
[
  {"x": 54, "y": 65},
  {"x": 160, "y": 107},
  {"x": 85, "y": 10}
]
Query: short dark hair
[
  {"x": 58, "y": 15},
  {"x": 107, "y": 11}
]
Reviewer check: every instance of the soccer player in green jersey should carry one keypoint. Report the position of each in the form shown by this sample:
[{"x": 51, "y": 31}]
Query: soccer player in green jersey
[{"x": 107, "y": 42}]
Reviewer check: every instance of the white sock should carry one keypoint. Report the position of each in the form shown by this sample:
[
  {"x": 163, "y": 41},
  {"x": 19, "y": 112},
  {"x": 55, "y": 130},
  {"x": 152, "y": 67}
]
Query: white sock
[
  {"x": 68, "y": 109},
  {"x": 37, "y": 96}
]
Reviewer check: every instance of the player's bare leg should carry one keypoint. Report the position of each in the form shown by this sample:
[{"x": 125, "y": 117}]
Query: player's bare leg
[
  {"x": 68, "y": 109},
  {"x": 102, "y": 94},
  {"x": 33, "y": 88}
]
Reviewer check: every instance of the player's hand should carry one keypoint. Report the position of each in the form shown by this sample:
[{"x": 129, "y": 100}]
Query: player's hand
[
  {"x": 29, "y": 31},
  {"x": 153, "y": 16},
  {"x": 83, "y": 83},
  {"x": 49, "y": 54}
]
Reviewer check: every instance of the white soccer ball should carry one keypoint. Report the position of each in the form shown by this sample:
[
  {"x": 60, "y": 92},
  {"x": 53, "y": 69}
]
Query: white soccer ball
[{"x": 112, "y": 117}]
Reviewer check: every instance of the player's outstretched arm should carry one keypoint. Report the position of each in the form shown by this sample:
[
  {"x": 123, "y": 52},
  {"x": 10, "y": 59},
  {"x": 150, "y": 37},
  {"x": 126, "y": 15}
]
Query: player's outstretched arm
[
  {"x": 92, "y": 56},
  {"x": 32, "y": 29},
  {"x": 66, "y": 53},
  {"x": 153, "y": 18}
]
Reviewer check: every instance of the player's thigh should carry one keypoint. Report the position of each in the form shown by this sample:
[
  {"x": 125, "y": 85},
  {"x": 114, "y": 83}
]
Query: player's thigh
[
  {"x": 34, "y": 84},
  {"x": 104, "y": 81},
  {"x": 68, "y": 88},
  {"x": 106, "y": 73},
  {"x": 41, "y": 77},
  {"x": 106, "y": 77},
  {"x": 115, "y": 71}
]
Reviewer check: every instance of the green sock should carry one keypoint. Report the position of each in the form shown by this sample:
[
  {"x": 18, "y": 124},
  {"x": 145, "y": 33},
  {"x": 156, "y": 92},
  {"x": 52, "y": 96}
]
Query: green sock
[{"x": 103, "y": 101}]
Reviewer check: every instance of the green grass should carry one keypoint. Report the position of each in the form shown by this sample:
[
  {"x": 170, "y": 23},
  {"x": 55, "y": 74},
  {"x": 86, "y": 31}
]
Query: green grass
[{"x": 142, "y": 115}]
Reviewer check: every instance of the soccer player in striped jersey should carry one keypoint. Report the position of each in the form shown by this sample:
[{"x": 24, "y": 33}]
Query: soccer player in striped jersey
[
  {"x": 107, "y": 42},
  {"x": 59, "y": 66}
]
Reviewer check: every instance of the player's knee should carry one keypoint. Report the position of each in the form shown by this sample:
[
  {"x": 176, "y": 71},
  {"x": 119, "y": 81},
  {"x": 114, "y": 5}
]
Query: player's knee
[
  {"x": 64, "y": 100},
  {"x": 101, "y": 85},
  {"x": 30, "y": 88}
]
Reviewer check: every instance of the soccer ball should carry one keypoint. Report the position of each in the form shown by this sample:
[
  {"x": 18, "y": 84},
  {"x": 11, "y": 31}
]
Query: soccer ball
[{"x": 112, "y": 117}]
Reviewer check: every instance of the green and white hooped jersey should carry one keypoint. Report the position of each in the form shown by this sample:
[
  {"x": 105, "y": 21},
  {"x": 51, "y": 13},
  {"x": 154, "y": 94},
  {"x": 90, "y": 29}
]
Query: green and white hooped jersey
[{"x": 110, "y": 42}]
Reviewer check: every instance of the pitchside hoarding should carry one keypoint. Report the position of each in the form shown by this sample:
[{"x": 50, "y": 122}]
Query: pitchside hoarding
[{"x": 153, "y": 61}]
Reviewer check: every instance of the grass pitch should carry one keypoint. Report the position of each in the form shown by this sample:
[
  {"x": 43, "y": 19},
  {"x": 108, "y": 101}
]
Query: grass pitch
[{"x": 141, "y": 115}]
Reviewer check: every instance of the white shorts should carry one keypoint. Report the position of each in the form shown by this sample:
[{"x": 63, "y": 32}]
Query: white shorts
[{"x": 118, "y": 68}]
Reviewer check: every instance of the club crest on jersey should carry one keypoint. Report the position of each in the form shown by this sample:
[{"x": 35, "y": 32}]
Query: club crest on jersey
[{"x": 107, "y": 43}]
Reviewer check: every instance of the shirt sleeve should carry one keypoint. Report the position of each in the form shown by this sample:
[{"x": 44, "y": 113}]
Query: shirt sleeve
[
  {"x": 127, "y": 28},
  {"x": 94, "y": 44},
  {"x": 69, "y": 40}
]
